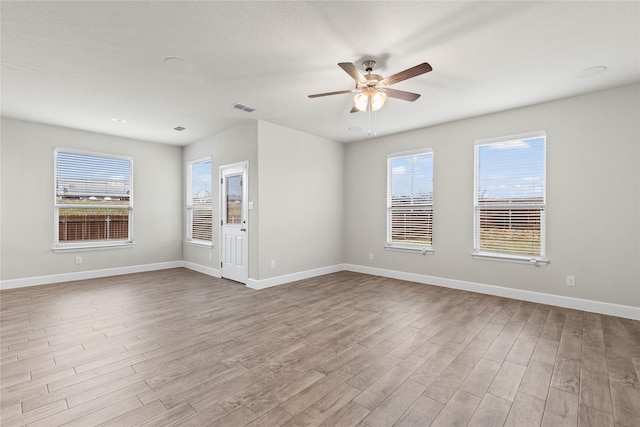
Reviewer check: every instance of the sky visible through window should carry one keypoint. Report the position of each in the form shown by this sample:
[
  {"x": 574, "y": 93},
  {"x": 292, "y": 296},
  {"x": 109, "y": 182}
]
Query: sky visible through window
[
  {"x": 201, "y": 177},
  {"x": 511, "y": 170},
  {"x": 412, "y": 176}
]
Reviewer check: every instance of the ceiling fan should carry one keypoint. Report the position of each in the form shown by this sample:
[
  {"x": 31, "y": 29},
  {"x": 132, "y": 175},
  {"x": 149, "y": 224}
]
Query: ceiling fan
[{"x": 372, "y": 89}]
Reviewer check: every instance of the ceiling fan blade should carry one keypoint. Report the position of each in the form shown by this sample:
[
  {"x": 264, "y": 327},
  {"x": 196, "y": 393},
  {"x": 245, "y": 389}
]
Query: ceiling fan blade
[
  {"x": 407, "y": 74},
  {"x": 352, "y": 71},
  {"x": 401, "y": 94},
  {"x": 332, "y": 93}
]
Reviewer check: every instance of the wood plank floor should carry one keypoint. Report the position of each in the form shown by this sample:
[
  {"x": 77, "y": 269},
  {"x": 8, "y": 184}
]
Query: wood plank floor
[{"x": 176, "y": 347}]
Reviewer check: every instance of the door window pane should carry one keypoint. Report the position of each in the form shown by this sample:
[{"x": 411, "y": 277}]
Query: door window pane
[{"x": 233, "y": 192}]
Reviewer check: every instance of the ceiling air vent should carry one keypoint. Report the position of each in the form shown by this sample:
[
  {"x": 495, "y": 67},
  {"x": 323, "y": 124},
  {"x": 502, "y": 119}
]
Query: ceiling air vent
[{"x": 243, "y": 107}]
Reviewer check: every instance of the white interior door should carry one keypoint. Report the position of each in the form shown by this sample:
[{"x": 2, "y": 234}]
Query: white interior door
[{"x": 234, "y": 246}]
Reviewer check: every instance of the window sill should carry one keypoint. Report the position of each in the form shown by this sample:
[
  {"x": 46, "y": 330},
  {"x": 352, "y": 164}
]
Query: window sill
[
  {"x": 424, "y": 250},
  {"x": 92, "y": 247},
  {"x": 201, "y": 244},
  {"x": 520, "y": 259}
]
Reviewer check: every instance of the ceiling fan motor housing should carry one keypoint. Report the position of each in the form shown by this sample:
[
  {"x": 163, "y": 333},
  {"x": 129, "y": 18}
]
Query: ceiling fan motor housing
[{"x": 373, "y": 81}]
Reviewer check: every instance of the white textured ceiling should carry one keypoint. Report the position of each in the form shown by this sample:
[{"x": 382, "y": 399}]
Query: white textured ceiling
[{"x": 81, "y": 64}]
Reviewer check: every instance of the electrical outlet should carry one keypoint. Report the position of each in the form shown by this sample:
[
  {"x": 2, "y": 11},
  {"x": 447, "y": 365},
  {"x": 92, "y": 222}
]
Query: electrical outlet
[
  {"x": 273, "y": 263},
  {"x": 371, "y": 256},
  {"x": 78, "y": 260},
  {"x": 571, "y": 280}
]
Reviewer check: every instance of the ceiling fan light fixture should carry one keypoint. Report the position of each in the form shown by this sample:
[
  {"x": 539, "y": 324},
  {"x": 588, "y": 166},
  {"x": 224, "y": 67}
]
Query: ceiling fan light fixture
[
  {"x": 377, "y": 100},
  {"x": 369, "y": 98},
  {"x": 360, "y": 101}
]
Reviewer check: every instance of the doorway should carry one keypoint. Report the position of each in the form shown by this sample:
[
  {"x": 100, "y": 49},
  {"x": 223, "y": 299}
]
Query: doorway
[{"x": 234, "y": 247}]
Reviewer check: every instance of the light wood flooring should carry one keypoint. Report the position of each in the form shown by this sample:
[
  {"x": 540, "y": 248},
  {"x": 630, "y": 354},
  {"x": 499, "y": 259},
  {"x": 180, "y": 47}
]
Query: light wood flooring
[{"x": 176, "y": 347}]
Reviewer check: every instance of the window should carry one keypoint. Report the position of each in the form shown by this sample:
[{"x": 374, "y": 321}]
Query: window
[
  {"x": 509, "y": 198},
  {"x": 233, "y": 198},
  {"x": 199, "y": 202},
  {"x": 93, "y": 200},
  {"x": 410, "y": 201}
]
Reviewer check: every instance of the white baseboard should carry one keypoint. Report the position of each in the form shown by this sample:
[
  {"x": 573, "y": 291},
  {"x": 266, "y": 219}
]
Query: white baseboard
[
  {"x": 626, "y": 311},
  {"x": 287, "y": 278},
  {"x": 202, "y": 269},
  {"x": 83, "y": 275}
]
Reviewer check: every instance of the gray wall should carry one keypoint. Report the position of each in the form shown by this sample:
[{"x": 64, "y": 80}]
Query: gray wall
[
  {"x": 593, "y": 198},
  {"x": 27, "y": 215},
  {"x": 300, "y": 202}
]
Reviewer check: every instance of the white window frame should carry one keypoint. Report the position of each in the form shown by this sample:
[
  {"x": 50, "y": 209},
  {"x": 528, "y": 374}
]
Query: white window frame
[
  {"x": 80, "y": 245},
  {"x": 478, "y": 253},
  {"x": 408, "y": 247},
  {"x": 190, "y": 207}
]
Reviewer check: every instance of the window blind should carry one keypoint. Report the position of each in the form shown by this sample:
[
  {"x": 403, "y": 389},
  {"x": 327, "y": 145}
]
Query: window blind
[
  {"x": 510, "y": 196},
  {"x": 410, "y": 200},
  {"x": 96, "y": 178},
  {"x": 199, "y": 201},
  {"x": 93, "y": 199}
]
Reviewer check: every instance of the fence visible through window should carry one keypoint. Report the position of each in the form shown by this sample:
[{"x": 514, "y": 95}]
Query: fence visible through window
[
  {"x": 412, "y": 226},
  {"x": 517, "y": 230},
  {"x": 92, "y": 227}
]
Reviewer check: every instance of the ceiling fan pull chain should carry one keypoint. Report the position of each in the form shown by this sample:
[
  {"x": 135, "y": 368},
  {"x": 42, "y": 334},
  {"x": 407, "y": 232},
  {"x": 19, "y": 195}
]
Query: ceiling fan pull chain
[
  {"x": 374, "y": 133},
  {"x": 375, "y": 117}
]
